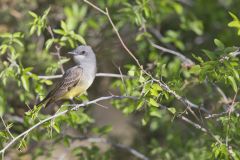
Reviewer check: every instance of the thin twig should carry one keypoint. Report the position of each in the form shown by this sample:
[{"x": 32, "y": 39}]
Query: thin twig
[
  {"x": 116, "y": 145},
  {"x": 103, "y": 106},
  {"x": 112, "y": 75},
  {"x": 7, "y": 129},
  {"x": 125, "y": 87},
  {"x": 183, "y": 58},
  {"x": 198, "y": 126},
  {"x": 121, "y": 41},
  {"x": 216, "y": 115},
  {"x": 225, "y": 99},
  {"x": 230, "y": 110},
  {"x": 94, "y": 6},
  {"x": 58, "y": 48}
]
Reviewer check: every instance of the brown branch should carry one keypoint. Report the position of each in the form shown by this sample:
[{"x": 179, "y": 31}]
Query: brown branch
[{"x": 58, "y": 48}]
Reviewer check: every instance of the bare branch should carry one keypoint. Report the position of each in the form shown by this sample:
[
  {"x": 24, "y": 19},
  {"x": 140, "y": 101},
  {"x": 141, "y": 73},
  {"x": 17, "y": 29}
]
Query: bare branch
[
  {"x": 183, "y": 58},
  {"x": 94, "y": 6},
  {"x": 116, "y": 145},
  {"x": 76, "y": 107},
  {"x": 112, "y": 75},
  {"x": 235, "y": 53},
  {"x": 193, "y": 123},
  {"x": 225, "y": 99},
  {"x": 121, "y": 41},
  {"x": 58, "y": 48},
  {"x": 216, "y": 115}
]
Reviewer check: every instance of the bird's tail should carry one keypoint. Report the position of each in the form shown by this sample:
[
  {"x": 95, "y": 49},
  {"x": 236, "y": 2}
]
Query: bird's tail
[{"x": 46, "y": 101}]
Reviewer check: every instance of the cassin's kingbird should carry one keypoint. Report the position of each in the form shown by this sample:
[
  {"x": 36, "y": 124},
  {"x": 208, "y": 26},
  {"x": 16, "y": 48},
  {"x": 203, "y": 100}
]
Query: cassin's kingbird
[{"x": 76, "y": 80}]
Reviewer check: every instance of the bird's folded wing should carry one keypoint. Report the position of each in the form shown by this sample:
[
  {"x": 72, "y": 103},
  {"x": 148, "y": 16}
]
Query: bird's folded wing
[{"x": 70, "y": 79}]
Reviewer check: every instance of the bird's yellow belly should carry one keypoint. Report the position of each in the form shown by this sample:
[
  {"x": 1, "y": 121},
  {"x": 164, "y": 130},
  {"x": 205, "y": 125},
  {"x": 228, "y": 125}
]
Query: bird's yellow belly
[{"x": 76, "y": 91}]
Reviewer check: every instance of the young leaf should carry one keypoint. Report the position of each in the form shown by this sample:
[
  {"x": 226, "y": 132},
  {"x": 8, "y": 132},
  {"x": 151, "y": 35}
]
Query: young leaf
[
  {"x": 25, "y": 82},
  {"x": 33, "y": 14},
  {"x": 219, "y": 44},
  {"x": 172, "y": 110},
  {"x": 153, "y": 102},
  {"x": 233, "y": 83}
]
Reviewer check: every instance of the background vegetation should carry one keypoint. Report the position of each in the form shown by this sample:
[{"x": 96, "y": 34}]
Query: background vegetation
[{"x": 174, "y": 94}]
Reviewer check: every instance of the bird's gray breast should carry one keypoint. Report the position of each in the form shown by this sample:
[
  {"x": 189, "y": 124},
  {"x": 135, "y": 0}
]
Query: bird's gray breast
[{"x": 88, "y": 75}]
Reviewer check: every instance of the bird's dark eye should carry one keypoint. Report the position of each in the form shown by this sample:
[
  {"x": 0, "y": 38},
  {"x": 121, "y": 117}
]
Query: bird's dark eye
[{"x": 83, "y": 52}]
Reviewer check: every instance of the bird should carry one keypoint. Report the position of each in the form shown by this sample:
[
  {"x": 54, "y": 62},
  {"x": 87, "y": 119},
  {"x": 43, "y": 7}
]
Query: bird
[{"x": 77, "y": 79}]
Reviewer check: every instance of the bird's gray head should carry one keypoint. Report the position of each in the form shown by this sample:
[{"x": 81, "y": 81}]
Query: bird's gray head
[{"x": 83, "y": 55}]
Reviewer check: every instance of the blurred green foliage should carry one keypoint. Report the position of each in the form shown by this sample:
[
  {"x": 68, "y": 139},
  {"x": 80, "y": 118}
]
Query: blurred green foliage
[{"x": 33, "y": 33}]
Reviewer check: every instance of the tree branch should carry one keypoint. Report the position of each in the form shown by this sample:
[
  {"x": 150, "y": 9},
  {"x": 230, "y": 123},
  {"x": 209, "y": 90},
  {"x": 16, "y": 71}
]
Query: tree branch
[
  {"x": 116, "y": 145},
  {"x": 112, "y": 75},
  {"x": 184, "y": 59},
  {"x": 76, "y": 107}
]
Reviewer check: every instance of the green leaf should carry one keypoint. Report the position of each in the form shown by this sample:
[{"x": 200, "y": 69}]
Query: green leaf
[
  {"x": 103, "y": 130},
  {"x": 233, "y": 16},
  {"x": 56, "y": 127},
  {"x": 3, "y": 48},
  {"x": 235, "y": 72},
  {"x": 18, "y": 35},
  {"x": 5, "y": 35},
  {"x": 80, "y": 39},
  {"x": 18, "y": 42},
  {"x": 131, "y": 73},
  {"x": 22, "y": 145},
  {"x": 172, "y": 110},
  {"x": 154, "y": 92},
  {"x": 39, "y": 30},
  {"x": 157, "y": 87},
  {"x": 156, "y": 113},
  {"x": 144, "y": 121},
  {"x": 64, "y": 26},
  {"x": 71, "y": 42},
  {"x": 46, "y": 12},
  {"x": 28, "y": 69},
  {"x": 49, "y": 43},
  {"x": 33, "y": 14},
  {"x": 233, "y": 83},
  {"x": 141, "y": 79},
  {"x": 25, "y": 82},
  {"x": 219, "y": 44},
  {"x": 59, "y": 31},
  {"x": 196, "y": 69},
  {"x": 33, "y": 29},
  {"x": 211, "y": 55},
  {"x": 63, "y": 60},
  {"x": 153, "y": 102},
  {"x": 140, "y": 105},
  {"x": 235, "y": 24}
]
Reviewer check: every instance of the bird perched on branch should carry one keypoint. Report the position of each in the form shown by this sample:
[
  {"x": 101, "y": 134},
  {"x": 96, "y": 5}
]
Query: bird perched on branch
[{"x": 77, "y": 79}]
